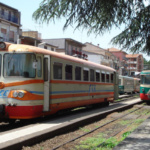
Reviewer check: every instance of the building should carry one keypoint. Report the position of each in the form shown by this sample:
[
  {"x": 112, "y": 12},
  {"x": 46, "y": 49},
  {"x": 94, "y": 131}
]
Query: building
[
  {"x": 67, "y": 46},
  {"x": 101, "y": 56},
  {"x": 135, "y": 63},
  {"x": 121, "y": 55},
  {"x": 30, "y": 37},
  {"x": 9, "y": 23},
  {"x": 47, "y": 46},
  {"x": 130, "y": 63}
]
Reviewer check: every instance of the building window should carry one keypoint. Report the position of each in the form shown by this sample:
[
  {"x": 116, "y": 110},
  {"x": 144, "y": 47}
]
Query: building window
[
  {"x": 11, "y": 36},
  {"x": 52, "y": 49},
  {"x": 9, "y": 16},
  {"x": 2, "y": 12},
  {"x": 4, "y": 31},
  {"x": 45, "y": 47},
  {"x": 78, "y": 73},
  {"x": 68, "y": 72},
  {"x": 92, "y": 77},
  {"x": 3, "y": 34},
  {"x": 57, "y": 70}
]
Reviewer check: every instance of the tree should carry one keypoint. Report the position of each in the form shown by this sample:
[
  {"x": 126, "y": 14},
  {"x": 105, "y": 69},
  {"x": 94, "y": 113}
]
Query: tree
[{"x": 99, "y": 16}]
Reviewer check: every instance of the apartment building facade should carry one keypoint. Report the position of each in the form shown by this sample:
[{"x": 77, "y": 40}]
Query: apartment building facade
[
  {"x": 130, "y": 63},
  {"x": 67, "y": 46},
  {"x": 9, "y": 23},
  {"x": 135, "y": 63}
]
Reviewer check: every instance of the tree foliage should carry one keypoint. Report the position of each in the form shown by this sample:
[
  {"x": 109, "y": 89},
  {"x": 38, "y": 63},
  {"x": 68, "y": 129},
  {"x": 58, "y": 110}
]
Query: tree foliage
[{"x": 99, "y": 16}]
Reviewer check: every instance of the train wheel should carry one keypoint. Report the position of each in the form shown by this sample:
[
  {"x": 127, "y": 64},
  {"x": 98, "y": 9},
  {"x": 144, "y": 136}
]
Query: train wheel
[
  {"x": 106, "y": 104},
  {"x": 12, "y": 121}
]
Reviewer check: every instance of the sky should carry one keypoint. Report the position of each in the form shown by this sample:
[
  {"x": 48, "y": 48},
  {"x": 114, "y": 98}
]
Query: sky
[{"x": 55, "y": 30}]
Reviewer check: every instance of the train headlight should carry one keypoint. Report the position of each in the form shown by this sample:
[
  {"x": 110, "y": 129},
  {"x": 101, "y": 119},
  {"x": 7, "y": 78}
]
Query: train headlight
[
  {"x": 15, "y": 94},
  {"x": 20, "y": 94}
]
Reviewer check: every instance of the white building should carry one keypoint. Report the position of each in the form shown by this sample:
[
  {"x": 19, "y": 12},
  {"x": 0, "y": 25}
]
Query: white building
[
  {"x": 9, "y": 23},
  {"x": 47, "y": 46},
  {"x": 100, "y": 56}
]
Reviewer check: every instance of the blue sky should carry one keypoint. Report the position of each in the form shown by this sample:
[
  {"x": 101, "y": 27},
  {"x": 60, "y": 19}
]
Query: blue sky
[{"x": 55, "y": 30}]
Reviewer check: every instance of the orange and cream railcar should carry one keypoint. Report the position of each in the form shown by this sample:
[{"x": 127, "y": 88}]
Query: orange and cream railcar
[{"x": 36, "y": 82}]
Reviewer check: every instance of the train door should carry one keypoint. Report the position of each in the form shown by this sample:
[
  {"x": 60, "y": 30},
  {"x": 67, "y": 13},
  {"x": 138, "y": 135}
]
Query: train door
[
  {"x": 46, "y": 65},
  {"x": 116, "y": 89}
]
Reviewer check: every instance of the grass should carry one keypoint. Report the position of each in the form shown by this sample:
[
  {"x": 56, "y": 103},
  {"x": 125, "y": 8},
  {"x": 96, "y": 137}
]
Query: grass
[
  {"x": 117, "y": 100},
  {"x": 124, "y": 122},
  {"x": 92, "y": 143},
  {"x": 85, "y": 130}
]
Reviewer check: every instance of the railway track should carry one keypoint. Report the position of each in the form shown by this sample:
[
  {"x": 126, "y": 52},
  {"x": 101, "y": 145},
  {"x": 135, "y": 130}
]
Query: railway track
[{"x": 65, "y": 124}]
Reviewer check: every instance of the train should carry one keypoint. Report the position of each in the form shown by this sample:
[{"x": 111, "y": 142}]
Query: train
[
  {"x": 35, "y": 82},
  {"x": 145, "y": 86},
  {"x": 128, "y": 85}
]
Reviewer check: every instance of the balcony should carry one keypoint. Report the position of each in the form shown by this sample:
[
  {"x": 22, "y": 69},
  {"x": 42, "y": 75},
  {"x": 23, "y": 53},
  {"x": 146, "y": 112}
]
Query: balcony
[
  {"x": 6, "y": 16},
  {"x": 131, "y": 62},
  {"x": 129, "y": 68}
]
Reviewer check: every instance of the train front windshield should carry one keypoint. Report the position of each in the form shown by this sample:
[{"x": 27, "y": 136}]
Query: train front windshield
[
  {"x": 19, "y": 65},
  {"x": 145, "y": 79}
]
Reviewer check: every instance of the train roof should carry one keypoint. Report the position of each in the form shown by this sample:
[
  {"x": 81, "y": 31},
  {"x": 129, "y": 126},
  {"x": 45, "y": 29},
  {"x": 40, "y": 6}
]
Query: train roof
[
  {"x": 27, "y": 48},
  {"x": 145, "y": 72},
  {"x": 125, "y": 77}
]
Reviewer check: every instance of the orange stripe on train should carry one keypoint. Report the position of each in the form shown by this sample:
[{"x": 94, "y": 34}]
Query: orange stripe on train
[
  {"x": 31, "y": 96},
  {"x": 18, "y": 83},
  {"x": 23, "y": 83}
]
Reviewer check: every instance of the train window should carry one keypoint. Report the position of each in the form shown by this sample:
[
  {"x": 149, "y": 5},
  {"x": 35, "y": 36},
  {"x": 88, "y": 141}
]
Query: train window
[
  {"x": 19, "y": 65},
  {"x": 145, "y": 79},
  {"x": 68, "y": 72},
  {"x": 92, "y": 77},
  {"x": 112, "y": 77},
  {"x": 107, "y": 77},
  {"x": 103, "y": 76},
  {"x": 85, "y": 75},
  {"x": 97, "y": 76},
  {"x": 77, "y": 73},
  {"x": 57, "y": 70},
  {"x": 39, "y": 67}
]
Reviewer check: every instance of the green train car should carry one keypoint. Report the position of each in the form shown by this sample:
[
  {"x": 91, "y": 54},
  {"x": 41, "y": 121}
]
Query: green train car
[
  {"x": 145, "y": 86},
  {"x": 126, "y": 84}
]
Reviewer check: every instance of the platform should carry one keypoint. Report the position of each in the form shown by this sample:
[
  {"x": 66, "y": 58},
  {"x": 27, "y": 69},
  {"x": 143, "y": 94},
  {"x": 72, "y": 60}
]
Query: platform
[
  {"x": 138, "y": 139},
  {"x": 27, "y": 135}
]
